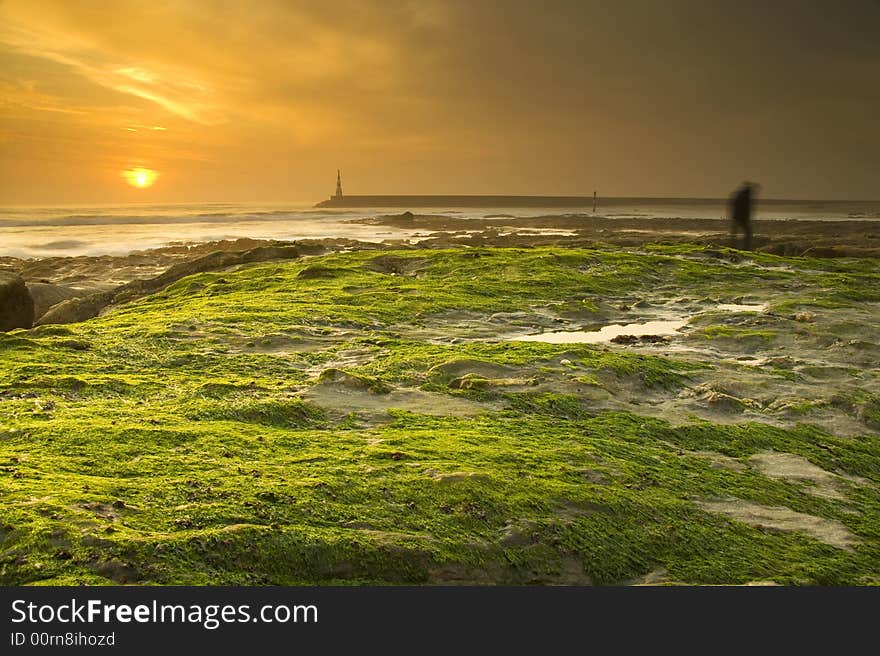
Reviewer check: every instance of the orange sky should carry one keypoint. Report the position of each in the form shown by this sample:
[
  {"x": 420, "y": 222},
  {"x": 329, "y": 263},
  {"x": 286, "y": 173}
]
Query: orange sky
[{"x": 234, "y": 101}]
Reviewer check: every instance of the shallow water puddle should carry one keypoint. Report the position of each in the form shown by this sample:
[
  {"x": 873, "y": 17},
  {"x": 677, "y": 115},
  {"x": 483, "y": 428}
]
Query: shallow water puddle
[
  {"x": 739, "y": 307},
  {"x": 661, "y": 328},
  {"x": 607, "y": 333}
]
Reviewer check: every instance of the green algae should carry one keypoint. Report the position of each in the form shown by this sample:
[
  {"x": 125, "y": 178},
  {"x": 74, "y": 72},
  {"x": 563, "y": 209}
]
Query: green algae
[{"x": 167, "y": 441}]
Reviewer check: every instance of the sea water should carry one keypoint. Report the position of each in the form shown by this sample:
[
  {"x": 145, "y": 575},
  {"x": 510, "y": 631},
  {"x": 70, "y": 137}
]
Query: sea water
[{"x": 121, "y": 229}]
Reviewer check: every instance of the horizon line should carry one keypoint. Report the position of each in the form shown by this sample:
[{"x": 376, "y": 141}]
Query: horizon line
[
  {"x": 758, "y": 199},
  {"x": 598, "y": 196}
]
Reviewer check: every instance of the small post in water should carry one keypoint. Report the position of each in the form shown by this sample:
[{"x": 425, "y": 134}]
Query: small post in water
[{"x": 594, "y": 201}]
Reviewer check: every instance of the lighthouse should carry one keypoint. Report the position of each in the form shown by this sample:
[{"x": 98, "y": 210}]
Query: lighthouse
[{"x": 338, "y": 195}]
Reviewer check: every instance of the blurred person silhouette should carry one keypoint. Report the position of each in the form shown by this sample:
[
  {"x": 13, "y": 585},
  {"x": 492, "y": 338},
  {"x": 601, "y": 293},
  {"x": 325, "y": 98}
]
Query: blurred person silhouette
[{"x": 741, "y": 203}]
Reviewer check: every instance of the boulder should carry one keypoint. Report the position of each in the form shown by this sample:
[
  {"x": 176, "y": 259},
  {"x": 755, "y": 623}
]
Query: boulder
[
  {"x": 46, "y": 295},
  {"x": 80, "y": 309},
  {"x": 16, "y": 303},
  {"x": 74, "y": 310}
]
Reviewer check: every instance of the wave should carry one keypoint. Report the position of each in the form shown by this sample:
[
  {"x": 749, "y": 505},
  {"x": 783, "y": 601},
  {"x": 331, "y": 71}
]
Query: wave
[
  {"x": 63, "y": 245},
  {"x": 163, "y": 219},
  {"x": 243, "y": 213}
]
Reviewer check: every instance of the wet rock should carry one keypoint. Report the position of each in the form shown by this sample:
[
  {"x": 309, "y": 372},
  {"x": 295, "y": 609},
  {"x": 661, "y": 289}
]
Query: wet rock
[
  {"x": 625, "y": 339},
  {"x": 655, "y": 339},
  {"x": 16, "y": 303}
]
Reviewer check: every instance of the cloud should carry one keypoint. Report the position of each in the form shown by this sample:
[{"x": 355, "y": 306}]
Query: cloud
[
  {"x": 448, "y": 95},
  {"x": 177, "y": 91},
  {"x": 317, "y": 69}
]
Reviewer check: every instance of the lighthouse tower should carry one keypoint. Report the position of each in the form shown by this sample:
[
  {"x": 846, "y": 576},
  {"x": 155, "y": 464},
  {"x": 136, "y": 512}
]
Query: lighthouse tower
[{"x": 338, "y": 195}]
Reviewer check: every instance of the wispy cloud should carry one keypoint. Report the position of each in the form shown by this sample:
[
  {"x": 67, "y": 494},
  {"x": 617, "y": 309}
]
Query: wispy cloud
[{"x": 177, "y": 91}]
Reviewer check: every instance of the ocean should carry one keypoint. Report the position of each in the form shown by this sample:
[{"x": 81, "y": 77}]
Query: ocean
[{"x": 36, "y": 232}]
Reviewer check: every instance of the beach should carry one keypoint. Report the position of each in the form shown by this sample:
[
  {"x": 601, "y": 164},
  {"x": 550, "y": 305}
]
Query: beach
[
  {"x": 437, "y": 315},
  {"x": 97, "y": 248}
]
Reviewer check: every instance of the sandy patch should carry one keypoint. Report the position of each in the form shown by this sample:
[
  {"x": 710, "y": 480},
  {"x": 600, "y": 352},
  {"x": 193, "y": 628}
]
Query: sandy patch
[
  {"x": 780, "y": 518},
  {"x": 281, "y": 344},
  {"x": 345, "y": 359},
  {"x": 463, "y": 367},
  {"x": 791, "y": 467},
  {"x": 363, "y": 401},
  {"x": 719, "y": 460}
]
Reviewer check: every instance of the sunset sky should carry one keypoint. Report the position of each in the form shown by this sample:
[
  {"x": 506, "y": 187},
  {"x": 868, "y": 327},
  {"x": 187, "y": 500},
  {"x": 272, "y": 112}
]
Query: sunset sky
[{"x": 261, "y": 101}]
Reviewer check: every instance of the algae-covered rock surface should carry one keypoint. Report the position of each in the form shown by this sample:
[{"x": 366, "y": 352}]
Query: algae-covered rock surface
[{"x": 435, "y": 416}]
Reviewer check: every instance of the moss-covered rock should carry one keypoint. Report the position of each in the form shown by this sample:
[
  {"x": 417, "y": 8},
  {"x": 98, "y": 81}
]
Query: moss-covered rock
[{"x": 179, "y": 438}]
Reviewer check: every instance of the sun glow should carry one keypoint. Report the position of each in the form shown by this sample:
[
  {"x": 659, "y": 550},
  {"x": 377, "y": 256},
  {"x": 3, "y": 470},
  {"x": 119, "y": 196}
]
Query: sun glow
[{"x": 140, "y": 177}]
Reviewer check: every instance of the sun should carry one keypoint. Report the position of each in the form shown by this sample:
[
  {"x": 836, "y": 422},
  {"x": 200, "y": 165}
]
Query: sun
[{"x": 140, "y": 177}]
